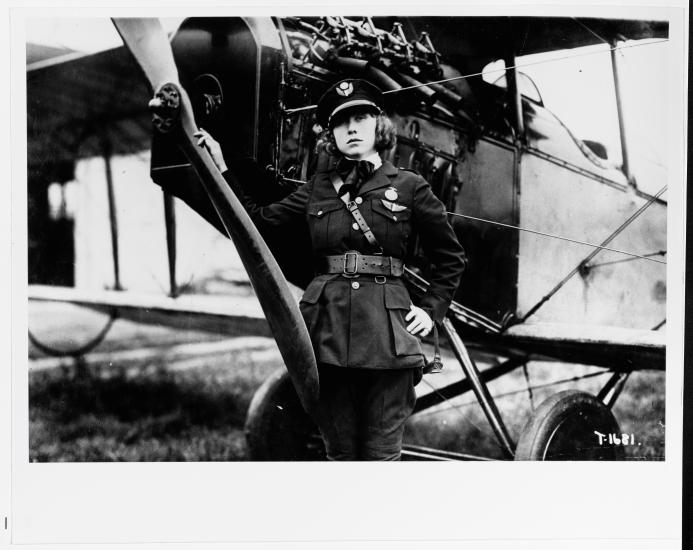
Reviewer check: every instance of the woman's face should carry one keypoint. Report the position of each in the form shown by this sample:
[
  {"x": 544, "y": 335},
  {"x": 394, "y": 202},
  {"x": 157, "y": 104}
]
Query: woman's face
[{"x": 354, "y": 133}]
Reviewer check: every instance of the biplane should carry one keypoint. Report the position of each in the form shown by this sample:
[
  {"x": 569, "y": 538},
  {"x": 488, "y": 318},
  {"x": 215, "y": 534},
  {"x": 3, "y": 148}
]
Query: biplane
[{"x": 508, "y": 170}]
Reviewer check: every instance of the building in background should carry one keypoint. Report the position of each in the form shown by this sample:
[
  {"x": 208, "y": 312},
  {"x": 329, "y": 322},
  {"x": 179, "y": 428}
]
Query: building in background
[{"x": 95, "y": 219}]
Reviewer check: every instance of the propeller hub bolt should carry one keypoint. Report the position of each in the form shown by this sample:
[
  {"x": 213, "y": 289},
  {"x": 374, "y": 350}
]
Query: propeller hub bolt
[{"x": 165, "y": 107}]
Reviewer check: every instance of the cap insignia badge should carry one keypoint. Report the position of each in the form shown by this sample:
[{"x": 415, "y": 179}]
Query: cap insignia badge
[{"x": 345, "y": 89}]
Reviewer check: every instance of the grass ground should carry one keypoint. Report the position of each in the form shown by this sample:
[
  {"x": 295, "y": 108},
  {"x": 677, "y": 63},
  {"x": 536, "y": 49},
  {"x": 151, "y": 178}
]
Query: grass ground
[
  {"x": 194, "y": 408},
  {"x": 144, "y": 412}
]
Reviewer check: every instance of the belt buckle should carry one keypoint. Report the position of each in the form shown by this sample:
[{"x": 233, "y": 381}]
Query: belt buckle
[
  {"x": 345, "y": 271},
  {"x": 380, "y": 279}
]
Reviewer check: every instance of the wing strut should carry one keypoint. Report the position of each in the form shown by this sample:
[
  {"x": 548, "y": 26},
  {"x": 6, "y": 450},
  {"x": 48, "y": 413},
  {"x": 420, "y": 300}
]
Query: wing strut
[
  {"x": 619, "y": 108},
  {"x": 515, "y": 97},
  {"x": 112, "y": 214},
  {"x": 480, "y": 390}
]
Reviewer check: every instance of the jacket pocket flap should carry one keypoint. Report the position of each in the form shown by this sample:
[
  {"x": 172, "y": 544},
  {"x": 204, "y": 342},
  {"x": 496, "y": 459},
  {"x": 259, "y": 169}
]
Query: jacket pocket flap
[
  {"x": 319, "y": 209},
  {"x": 313, "y": 291},
  {"x": 396, "y": 297},
  {"x": 399, "y": 216}
]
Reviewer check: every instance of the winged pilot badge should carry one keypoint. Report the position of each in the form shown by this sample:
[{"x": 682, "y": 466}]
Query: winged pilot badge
[{"x": 392, "y": 207}]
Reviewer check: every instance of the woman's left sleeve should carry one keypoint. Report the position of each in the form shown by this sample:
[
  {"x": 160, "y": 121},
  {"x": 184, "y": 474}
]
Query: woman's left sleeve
[{"x": 441, "y": 247}]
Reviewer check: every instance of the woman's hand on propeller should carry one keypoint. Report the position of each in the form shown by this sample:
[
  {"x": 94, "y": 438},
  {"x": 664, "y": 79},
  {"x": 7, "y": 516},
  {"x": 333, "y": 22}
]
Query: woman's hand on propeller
[{"x": 204, "y": 139}]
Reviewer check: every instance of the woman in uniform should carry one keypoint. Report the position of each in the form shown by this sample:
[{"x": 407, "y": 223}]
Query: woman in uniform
[{"x": 361, "y": 213}]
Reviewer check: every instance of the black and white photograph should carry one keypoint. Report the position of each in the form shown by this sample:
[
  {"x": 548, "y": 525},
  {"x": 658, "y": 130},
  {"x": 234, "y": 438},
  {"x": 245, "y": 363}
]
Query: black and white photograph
[{"x": 271, "y": 242}]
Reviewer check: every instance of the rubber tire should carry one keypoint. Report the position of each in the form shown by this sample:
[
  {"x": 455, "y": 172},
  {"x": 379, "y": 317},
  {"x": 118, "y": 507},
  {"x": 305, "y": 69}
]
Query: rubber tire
[
  {"x": 277, "y": 428},
  {"x": 562, "y": 428}
]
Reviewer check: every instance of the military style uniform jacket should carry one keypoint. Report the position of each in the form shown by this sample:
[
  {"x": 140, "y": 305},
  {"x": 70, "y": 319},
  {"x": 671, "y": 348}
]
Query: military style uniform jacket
[{"x": 359, "y": 322}]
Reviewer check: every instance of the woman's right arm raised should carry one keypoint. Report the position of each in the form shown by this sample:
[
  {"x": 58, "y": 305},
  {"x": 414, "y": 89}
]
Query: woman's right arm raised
[{"x": 289, "y": 208}]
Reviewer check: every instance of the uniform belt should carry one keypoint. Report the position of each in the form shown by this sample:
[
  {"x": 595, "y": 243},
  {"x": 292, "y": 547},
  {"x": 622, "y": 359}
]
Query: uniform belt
[{"x": 353, "y": 263}]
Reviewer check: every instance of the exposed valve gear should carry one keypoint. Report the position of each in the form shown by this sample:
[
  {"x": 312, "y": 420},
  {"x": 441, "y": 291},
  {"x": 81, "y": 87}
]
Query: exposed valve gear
[{"x": 361, "y": 39}]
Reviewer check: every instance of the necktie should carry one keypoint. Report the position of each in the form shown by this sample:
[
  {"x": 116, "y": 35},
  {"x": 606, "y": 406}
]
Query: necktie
[{"x": 354, "y": 174}]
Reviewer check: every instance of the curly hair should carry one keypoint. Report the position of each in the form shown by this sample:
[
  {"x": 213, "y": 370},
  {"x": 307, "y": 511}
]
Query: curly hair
[{"x": 385, "y": 136}]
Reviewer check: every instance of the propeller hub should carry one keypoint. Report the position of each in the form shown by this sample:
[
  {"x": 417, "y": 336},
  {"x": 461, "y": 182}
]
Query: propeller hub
[{"x": 165, "y": 107}]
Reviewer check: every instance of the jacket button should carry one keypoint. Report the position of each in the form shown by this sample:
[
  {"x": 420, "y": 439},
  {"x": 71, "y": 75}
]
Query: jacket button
[
  {"x": 355, "y": 285},
  {"x": 358, "y": 200},
  {"x": 394, "y": 218},
  {"x": 355, "y": 225},
  {"x": 319, "y": 212}
]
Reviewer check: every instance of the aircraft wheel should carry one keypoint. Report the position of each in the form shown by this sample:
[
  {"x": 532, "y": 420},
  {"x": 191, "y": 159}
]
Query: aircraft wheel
[
  {"x": 277, "y": 427},
  {"x": 563, "y": 426}
]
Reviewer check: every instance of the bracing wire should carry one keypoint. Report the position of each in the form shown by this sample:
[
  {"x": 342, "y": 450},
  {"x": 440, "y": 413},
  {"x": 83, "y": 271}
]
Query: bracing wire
[
  {"x": 659, "y": 325},
  {"x": 592, "y": 254},
  {"x": 459, "y": 406},
  {"x": 634, "y": 256},
  {"x": 536, "y": 232},
  {"x": 522, "y": 66},
  {"x": 646, "y": 256},
  {"x": 451, "y": 406},
  {"x": 470, "y": 75},
  {"x": 593, "y": 33}
]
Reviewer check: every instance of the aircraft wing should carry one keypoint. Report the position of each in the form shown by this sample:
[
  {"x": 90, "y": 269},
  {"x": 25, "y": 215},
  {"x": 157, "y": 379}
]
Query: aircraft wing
[
  {"x": 620, "y": 349},
  {"x": 77, "y": 104},
  {"x": 231, "y": 316}
]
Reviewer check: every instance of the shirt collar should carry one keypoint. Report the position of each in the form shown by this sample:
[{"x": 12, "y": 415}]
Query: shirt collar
[{"x": 375, "y": 160}]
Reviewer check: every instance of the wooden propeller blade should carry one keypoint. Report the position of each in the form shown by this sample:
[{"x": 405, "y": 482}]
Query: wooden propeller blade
[
  {"x": 272, "y": 290},
  {"x": 147, "y": 41}
]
